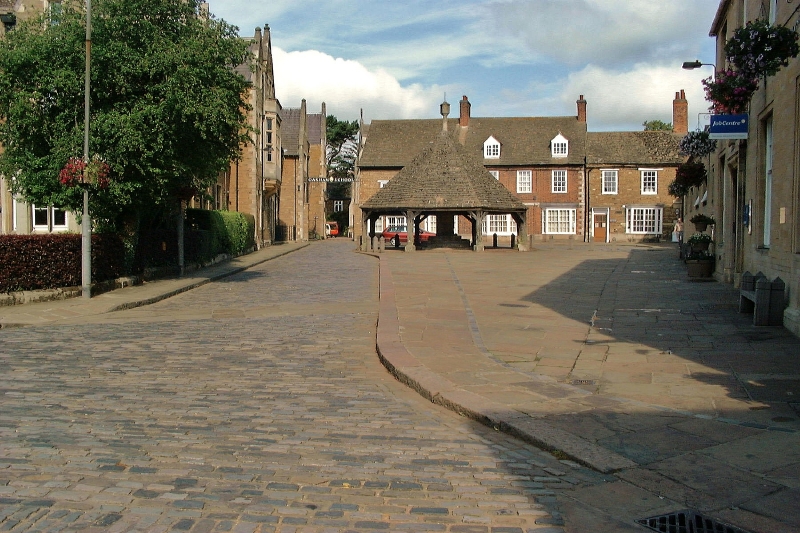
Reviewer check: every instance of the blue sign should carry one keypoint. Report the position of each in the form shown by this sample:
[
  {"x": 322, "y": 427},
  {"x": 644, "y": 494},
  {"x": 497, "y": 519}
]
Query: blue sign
[{"x": 728, "y": 127}]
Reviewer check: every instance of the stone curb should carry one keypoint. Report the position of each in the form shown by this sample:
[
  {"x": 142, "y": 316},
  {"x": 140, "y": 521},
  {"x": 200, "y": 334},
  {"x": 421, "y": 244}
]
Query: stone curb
[{"x": 410, "y": 371}]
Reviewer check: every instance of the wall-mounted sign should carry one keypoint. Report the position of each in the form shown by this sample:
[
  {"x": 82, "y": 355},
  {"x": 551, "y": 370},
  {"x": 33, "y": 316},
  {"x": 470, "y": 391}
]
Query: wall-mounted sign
[{"x": 728, "y": 127}]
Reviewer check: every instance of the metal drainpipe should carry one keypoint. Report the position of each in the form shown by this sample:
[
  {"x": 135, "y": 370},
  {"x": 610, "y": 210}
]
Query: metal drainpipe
[{"x": 587, "y": 200}]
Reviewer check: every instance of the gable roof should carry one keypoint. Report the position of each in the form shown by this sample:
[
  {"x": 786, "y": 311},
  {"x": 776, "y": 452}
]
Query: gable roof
[
  {"x": 290, "y": 130},
  {"x": 444, "y": 176},
  {"x": 633, "y": 148},
  {"x": 524, "y": 141}
]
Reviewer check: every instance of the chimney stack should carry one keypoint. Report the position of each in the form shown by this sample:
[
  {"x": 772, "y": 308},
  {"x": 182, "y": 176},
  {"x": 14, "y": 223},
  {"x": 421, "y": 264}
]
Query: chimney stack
[
  {"x": 463, "y": 119},
  {"x": 581, "y": 110},
  {"x": 680, "y": 113}
]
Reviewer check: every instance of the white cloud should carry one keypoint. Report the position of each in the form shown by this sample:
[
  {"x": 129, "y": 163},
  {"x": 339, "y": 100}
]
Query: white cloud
[
  {"x": 617, "y": 100},
  {"x": 347, "y": 86}
]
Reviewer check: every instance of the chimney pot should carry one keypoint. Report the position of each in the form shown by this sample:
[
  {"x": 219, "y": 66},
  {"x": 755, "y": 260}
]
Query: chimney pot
[
  {"x": 581, "y": 110},
  {"x": 680, "y": 113},
  {"x": 464, "y": 114}
]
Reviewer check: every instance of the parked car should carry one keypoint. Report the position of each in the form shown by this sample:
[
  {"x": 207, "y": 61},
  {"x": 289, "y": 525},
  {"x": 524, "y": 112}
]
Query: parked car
[
  {"x": 396, "y": 235},
  {"x": 332, "y": 229}
]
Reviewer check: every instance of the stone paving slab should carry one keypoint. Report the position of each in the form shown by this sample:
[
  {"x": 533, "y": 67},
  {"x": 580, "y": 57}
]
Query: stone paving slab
[{"x": 673, "y": 360}]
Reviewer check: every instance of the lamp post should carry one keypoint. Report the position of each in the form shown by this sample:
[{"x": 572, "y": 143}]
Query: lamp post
[
  {"x": 691, "y": 65},
  {"x": 86, "y": 223}
]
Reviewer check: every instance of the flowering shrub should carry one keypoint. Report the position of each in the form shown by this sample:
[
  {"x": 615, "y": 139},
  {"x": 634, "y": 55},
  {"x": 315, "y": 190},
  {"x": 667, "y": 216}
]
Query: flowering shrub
[
  {"x": 730, "y": 92},
  {"x": 74, "y": 171},
  {"x": 698, "y": 238},
  {"x": 697, "y": 144},
  {"x": 700, "y": 255},
  {"x": 760, "y": 49},
  {"x": 691, "y": 174},
  {"x": 678, "y": 190}
]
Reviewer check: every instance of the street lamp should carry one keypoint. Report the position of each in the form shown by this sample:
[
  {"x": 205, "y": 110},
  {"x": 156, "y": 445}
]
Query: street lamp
[
  {"x": 86, "y": 223},
  {"x": 691, "y": 65}
]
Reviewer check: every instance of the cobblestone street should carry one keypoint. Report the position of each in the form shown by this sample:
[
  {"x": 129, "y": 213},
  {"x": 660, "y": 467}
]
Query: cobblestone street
[{"x": 256, "y": 403}]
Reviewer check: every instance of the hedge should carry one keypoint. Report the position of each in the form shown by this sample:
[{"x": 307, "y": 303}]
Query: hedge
[
  {"x": 33, "y": 262},
  {"x": 222, "y": 232}
]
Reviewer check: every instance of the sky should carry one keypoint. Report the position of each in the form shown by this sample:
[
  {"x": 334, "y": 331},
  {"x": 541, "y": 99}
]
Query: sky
[{"x": 401, "y": 59}]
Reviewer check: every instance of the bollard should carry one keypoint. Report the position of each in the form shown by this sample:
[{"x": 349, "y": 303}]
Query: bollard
[
  {"x": 494, "y": 240},
  {"x": 513, "y": 240},
  {"x": 381, "y": 244}
]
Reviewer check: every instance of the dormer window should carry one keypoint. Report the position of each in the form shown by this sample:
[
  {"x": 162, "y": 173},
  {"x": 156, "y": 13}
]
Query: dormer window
[
  {"x": 559, "y": 146},
  {"x": 491, "y": 148}
]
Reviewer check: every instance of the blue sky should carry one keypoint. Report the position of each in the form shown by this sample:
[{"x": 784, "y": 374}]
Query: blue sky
[{"x": 510, "y": 57}]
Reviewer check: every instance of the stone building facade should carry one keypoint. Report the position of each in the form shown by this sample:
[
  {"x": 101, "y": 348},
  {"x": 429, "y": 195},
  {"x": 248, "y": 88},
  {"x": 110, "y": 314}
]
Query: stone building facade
[{"x": 753, "y": 190}]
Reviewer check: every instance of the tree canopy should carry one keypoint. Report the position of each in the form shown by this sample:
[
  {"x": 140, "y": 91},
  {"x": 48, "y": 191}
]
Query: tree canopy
[
  {"x": 657, "y": 125},
  {"x": 168, "y": 112},
  {"x": 341, "y": 137}
]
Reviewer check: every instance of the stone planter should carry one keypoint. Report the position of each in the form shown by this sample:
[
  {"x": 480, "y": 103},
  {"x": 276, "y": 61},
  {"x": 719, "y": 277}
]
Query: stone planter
[
  {"x": 700, "y": 226},
  {"x": 700, "y": 268},
  {"x": 700, "y": 246}
]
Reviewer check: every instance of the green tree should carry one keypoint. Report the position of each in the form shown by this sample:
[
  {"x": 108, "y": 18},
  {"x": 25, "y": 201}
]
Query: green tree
[
  {"x": 168, "y": 112},
  {"x": 342, "y": 147},
  {"x": 657, "y": 125}
]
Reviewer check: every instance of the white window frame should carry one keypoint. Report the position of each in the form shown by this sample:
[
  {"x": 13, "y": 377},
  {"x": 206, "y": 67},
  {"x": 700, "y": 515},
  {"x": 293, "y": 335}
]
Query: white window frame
[
  {"x": 559, "y": 146},
  {"x": 500, "y": 224},
  {"x": 491, "y": 148},
  {"x": 395, "y": 221},
  {"x": 338, "y": 206},
  {"x": 429, "y": 224},
  {"x": 50, "y": 217},
  {"x": 644, "y": 220},
  {"x": 609, "y": 179},
  {"x": 524, "y": 181},
  {"x": 558, "y": 182},
  {"x": 495, "y": 173},
  {"x": 382, "y": 183},
  {"x": 559, "y": 220},
  {"x": 646, "y": 174}
]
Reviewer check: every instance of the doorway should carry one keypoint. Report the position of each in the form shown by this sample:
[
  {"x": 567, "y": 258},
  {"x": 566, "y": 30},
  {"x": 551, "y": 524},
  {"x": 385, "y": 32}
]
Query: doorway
[{"x": 600, "y": 226}]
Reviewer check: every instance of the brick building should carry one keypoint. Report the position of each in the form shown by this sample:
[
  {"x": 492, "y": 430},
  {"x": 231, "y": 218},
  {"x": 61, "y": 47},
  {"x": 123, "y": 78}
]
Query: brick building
[{"x": 549, "y": 163}]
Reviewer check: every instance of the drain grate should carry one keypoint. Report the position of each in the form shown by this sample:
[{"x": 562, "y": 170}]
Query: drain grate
[{"x": 688, "y": 521}]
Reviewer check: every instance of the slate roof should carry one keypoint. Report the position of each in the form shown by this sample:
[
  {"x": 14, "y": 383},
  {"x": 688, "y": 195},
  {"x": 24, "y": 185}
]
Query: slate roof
[
  {"x": 633, "y": 148},
  {"x": 290, "y": 130},
  {"x": 524, "y": 141},
  {"x": 444, "y": 176}
]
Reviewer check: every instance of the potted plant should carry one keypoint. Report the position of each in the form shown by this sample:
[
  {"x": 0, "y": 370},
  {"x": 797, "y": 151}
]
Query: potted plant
[
  {"x": 699, "y": 242},
  {"x": 700, "y": 264},
  {"x": 702, "y": 222}
]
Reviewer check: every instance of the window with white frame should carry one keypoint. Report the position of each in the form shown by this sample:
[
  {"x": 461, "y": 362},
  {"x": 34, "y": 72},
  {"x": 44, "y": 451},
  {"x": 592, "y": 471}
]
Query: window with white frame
[
  {"x": 644, "y": 220},
  {"x": 429, "y": 224},
  {"x": 49, "y": 218},
  {"x": 610, "y": 181},
  {"x": 495, "y": 173},
  {"x": 524, "y": 181},
  {"x": 559, "y": 146},
  {"x": 649, "y": 181},
  {"x": 559, "y": 221},
  {"x": 338, "y": 206},
  {"x": 491, "y": 148},
  {"x": 500, "y": 224},
  {"x": 395, "y": 221},
  {"x": 559, "y": 181},
  {"x": 382, "y": 183}
]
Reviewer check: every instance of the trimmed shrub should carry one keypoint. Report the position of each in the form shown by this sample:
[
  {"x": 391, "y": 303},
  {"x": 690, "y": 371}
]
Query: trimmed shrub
[
  {"x": 230, "y": 232},
  {"x": 34, "y": 262}
]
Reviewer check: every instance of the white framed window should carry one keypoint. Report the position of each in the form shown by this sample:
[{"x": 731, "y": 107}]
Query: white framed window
[
  {"x": 395, "y": 221},
  {"x": 559, "y": 221},
  {"x": 524, "y": 181},
  {"x": 649, "y": 181},
  {"x": 559, "y": 146},
  {"x": 49, "y": 218},
  {"x": 559, "y": 181},
  {"x": 382, "y": 183},
  {"x": 644, "y": 220},
  {"x": 610, "y": 181},
  {"x": 500, "y": 224},
  {"x": 338, "y": 206},
  {"x": 495, "y": 173},
  {"x": 491, "y": 148},
  {"x": 429, "y": 224}
]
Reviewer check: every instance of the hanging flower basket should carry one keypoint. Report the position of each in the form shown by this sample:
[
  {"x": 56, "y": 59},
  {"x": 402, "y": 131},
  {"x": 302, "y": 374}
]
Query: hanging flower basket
[
  {"x": 697, "y": 144},
  {"x": 77, "y": 172},
  {"x": 678, "y": 190},
  {"x": 691, "y": 174},
  {"x": 730, "y": 91},
  {"x": 761, "y": 49}
]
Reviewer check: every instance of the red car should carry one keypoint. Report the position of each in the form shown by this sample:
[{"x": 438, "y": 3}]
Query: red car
[{"x": 396, "y": 235}]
